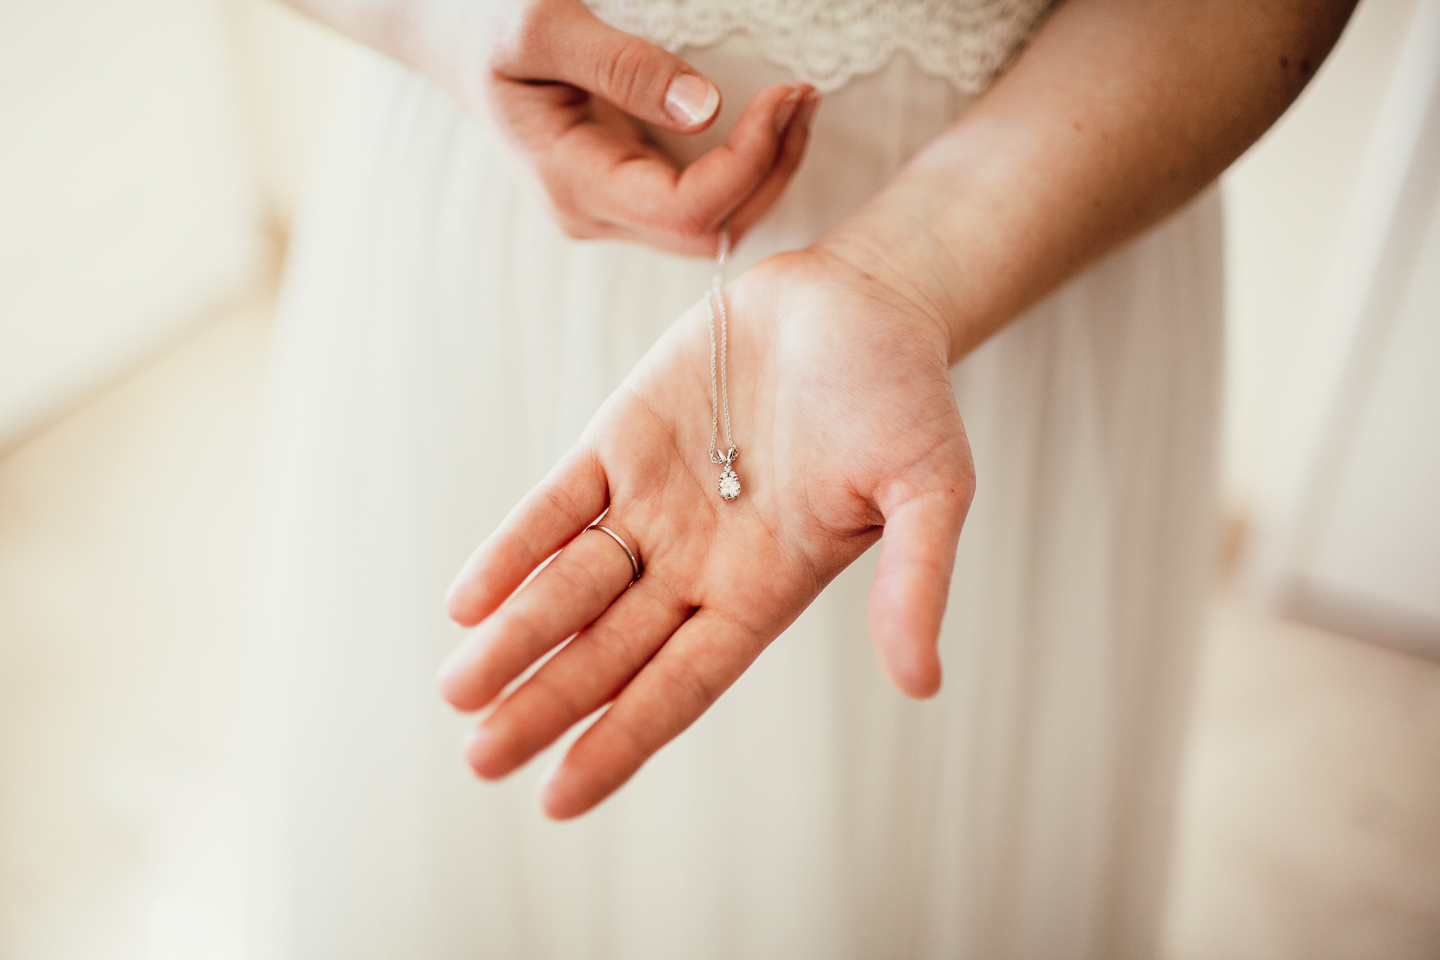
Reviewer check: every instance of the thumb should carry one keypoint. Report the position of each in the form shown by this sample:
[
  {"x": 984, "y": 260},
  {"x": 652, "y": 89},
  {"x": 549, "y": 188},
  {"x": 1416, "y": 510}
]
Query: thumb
[
  {"x": 563, "y": 41},
  {"x": 912, "y": 584}
]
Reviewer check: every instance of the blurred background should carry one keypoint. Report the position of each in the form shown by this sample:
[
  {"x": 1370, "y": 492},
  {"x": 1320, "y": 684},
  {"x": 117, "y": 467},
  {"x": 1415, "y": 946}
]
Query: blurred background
[{"x": 153, "y": 154}]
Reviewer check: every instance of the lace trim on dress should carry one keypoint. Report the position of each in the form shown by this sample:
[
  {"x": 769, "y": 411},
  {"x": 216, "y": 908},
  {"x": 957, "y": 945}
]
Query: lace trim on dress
[{"x": 828, "y": 42}]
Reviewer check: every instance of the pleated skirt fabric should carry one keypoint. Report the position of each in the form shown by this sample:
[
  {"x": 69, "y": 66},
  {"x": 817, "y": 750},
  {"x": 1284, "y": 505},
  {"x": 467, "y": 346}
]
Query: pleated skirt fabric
[{"x": 441, "y": 344}]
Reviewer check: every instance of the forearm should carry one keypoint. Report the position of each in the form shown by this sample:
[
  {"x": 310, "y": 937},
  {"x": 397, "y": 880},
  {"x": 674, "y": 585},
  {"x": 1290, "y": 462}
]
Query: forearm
[{"x": 1118, "y": 113}]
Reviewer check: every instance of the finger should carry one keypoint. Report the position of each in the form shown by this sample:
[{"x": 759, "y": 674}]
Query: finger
[
  {"x": 792, "y": 151},
  {"x": 566, "y": 596},
  {"x": 645, "y": 192},
  {"x": 912, "y": 583},
  {"x": 691, "y": 670},
  {"x": 566, "y": 502},
  {"x": 562, "y": 40},
  {"x": 578, "y": 680}
]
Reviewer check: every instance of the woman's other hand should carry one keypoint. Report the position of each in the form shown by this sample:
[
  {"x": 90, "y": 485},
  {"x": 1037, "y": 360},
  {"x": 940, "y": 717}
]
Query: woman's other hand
[
  {"x": 846, "y": 421},
  {"x": 569, "y": 93}
]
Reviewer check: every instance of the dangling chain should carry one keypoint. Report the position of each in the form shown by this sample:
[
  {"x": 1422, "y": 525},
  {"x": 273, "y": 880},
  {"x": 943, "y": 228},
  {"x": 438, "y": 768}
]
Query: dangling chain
[{"x": 720, "y": 393}]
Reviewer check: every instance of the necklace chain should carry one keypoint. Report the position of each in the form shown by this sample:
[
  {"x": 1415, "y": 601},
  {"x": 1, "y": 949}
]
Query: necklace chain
[
  {"x": 719, "y": 394},
  {"x": 719, "y": 389}
]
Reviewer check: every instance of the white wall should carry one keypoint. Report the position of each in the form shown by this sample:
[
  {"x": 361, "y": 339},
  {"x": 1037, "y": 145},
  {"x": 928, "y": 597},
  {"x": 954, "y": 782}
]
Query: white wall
[
  {"x": 127, "y": 200},
  {"x": 1349, "y": 533},
  {"x": 1285, "y": 205},
  {"x": 292, "y": 68},
  {"x": 149, "y": 150},
  {"x": 1371, "y": 559}
]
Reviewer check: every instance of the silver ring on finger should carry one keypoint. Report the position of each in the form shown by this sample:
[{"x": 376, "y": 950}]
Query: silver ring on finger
[{"x": 634, "y": 562}]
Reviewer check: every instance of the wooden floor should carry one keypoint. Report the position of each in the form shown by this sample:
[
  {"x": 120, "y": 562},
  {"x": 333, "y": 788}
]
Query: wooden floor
[{"x": 1311, "y": 818}]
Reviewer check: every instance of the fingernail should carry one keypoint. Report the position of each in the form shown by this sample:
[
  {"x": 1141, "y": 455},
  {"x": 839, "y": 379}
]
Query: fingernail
[
  {"x": 807, "y": 109},
  {"x": 691, "y": 99},
  {"x": 785, "y": 110}
]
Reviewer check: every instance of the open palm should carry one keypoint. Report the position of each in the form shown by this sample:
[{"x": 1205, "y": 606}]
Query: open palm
[{"x": 844, "y": 413}]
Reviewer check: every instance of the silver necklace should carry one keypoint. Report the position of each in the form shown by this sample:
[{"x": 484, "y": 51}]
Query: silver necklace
[{"x": 720, "y": 395}]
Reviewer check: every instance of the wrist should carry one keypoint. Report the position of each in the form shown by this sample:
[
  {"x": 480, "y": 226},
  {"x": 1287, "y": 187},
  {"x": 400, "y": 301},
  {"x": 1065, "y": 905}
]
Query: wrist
[
  {"x": 914, "y": 272},
  {"x": 852, "y": 263},
  {"x": 952, "y": 233}
]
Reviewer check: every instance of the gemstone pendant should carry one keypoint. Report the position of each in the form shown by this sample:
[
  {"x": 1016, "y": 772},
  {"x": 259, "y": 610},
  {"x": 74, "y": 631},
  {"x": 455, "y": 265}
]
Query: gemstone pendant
[{"x": 729, "y": 484}]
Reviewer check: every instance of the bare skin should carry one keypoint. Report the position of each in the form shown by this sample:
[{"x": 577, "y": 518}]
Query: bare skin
[{"x": 1117, "y": 114}]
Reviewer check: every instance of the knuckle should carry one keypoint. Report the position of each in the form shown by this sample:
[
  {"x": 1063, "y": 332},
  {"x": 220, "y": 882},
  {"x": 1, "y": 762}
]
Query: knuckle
[
  {"x": 624, "y": 71},
  {"x": 565, "y": 701},
  {"x": 690, "y": 688},
  {"x": 522, "y": 624},
  {"x": 581, "y": 582},
  {"x": 618, "y": 659},
  {"x": 625, "y": 736},
  {"x": 556, "y": 498}
]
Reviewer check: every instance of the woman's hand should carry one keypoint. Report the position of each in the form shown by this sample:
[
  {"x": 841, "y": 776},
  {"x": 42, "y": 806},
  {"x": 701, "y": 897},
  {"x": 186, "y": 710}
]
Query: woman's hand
[
  {"x": 845, "y": 416},
  {"x": 566, "y": 90}
]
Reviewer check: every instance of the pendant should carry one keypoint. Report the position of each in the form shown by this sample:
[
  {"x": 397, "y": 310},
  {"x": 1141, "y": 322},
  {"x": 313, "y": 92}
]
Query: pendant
[{"x": 729, "y": 484}]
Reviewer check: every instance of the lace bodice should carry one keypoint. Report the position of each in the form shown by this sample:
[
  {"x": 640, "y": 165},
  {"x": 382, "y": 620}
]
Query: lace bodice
[{"x": 828, "y": 42}]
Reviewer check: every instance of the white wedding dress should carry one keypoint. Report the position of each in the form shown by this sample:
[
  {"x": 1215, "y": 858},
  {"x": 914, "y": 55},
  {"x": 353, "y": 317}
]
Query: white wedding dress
[{"x": 441, "y": 343}]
